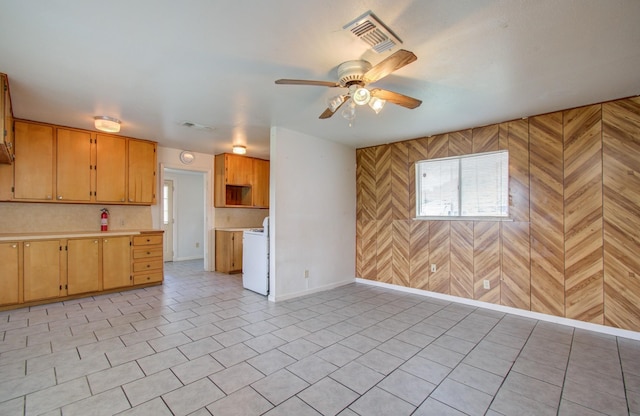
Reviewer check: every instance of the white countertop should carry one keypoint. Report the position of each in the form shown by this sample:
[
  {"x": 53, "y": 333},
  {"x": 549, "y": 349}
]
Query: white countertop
[
  {"x": 239, "y": 229},
  {"x": 69, "y": 234}
]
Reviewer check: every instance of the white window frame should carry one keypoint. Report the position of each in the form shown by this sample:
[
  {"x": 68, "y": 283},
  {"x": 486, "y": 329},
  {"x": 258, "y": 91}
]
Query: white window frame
[{"x": 459, "y": 216}]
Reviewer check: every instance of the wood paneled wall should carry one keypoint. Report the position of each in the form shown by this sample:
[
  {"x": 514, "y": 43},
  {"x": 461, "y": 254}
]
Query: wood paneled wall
[{"x": 572, "y": 248}]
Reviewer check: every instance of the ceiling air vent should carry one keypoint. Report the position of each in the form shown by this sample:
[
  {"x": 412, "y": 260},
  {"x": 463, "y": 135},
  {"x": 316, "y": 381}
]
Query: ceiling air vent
[
  {"x": 196, "y": 126},
  {"x": 373, "y": 32}
]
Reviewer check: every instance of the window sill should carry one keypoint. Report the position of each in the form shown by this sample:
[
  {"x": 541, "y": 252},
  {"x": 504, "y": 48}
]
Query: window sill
[{"x": 498, "y": 219}]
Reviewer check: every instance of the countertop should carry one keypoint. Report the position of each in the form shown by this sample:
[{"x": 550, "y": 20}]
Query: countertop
[
  {"x": 70, "y": 234},
  {"x": 239, "y": 229}
]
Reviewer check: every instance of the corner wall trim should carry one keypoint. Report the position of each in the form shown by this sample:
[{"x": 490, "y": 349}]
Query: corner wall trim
[{"x": 624, "y": 333}]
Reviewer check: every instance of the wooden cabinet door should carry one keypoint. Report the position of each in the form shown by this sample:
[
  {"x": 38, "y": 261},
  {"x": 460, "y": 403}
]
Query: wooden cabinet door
[
  {"x": 73, "y": 165},
  {"x": 111, "y": 164},
  {"x": 141, "y": 167},
  {"x": 236, "y": 264},
  {"x": 228, "y": 251},
  {"x": 83, "y": 266},
  {"x": 261, "y": 183},
  {"x": 116, "y": 262},
  {"x": 239, "y": 170},
  {"x": 34, "y": 162},
  {"x": 41, "y": 269},
  {"x": 6, "y": 123},
  {"x": 9, "y": 284}
]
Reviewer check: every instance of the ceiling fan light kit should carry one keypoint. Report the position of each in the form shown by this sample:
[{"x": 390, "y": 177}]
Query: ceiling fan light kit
[
  {"x": 355, "y": 75},
  {"x": 106, "y": 124}
]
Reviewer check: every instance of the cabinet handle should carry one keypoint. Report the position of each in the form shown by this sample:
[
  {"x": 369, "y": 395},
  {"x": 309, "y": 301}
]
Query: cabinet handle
[
  {"x": 47, "y": 197},
  {"x": 95, "y": 241},
  {"x": 121, "y": 199},
  {"x": 148, "y": 253},
  {"x": 14, "y": 245},
  {"x": 27, "y": 244},
  {"x": 59, "y": 196},
  {"x": 148, "y": 265},
  {"x": 106, "y": 241}
]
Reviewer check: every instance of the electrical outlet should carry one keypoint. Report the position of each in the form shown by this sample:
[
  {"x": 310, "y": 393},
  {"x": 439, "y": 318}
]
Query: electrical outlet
[
  {"x": 306, "y": 274},
  {"x": 433, "y": 268},
  {"x": 486, "y": 285}
]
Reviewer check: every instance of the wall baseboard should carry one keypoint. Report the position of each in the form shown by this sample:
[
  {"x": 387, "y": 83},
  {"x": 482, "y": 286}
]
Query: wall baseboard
[
  {"x": 624, "y": 333},
  {"x": 309, "y": 291}
]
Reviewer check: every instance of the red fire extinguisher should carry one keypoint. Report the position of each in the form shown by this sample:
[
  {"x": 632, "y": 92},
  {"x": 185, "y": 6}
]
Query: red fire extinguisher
[{"x": 104, "y": 219}]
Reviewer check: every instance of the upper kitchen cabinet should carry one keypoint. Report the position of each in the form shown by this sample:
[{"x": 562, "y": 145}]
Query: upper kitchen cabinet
[
  {"x": 34, "y": 166},
  {"x": 111, "y": 169},
  {"x": 6, "y": 122},
  {"x": 142, "y": 172},
  {"x": 241, "y": 181},
  {"x": 59, "y": 164},
  {"x": 73, "y": 165},
  {"x": 260, "y": 183}
]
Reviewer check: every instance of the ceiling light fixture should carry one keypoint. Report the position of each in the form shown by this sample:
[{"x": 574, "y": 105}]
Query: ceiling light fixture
[
  {"x": 361, "y": 96},
  {"x": 335, "y": 102},
  {"x": 107, "y": 124},
  {"x": 376, "y": 104},
  {"x": 239, "y": 149}
]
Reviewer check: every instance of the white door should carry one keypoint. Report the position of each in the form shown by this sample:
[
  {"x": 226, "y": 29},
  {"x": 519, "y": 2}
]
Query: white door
[{"x": 167, "y": 219}]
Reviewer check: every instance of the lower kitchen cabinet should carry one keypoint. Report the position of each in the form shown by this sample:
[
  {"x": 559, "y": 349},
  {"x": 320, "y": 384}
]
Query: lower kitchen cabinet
[
  {"x": 9, "y": 270},
  {"x": 83, "y": 266},
  {"x": 228, "y": 251},
  {"x": 37, "y": 271},
  {"x": 41, "y": 271},
  {"x": 116, "y": 262},
  {"x": 147, "y": 264}
]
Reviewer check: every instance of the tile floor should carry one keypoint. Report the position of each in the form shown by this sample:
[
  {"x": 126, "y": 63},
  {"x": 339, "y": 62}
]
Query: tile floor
[{"x": 201, "y": 345}]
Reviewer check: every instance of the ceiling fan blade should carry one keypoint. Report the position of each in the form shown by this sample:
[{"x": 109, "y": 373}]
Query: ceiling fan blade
[
  {"x": 307, "y": 82},
  {"x": 396, "y": 98},
  {"x": 387, "y": 66},
  {"x": 328, "y": 113}
]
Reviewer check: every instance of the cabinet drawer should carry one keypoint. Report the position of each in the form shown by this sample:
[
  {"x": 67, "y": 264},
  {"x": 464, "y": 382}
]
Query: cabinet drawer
[
  {"x": 150, "y": 277},
  {"x": 147, "y": 265},
  {"x": 145, "y": 253},
  {"x": 147, "y": 240}
]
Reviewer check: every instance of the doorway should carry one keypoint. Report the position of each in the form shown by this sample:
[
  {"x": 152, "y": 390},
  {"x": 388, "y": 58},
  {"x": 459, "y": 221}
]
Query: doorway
[
  {"x": 184, "y": 214},
  {"x": 167, "y": 219}
]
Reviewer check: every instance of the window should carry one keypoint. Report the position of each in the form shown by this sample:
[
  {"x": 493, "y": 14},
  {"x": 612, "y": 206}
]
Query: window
[{"x": 465, "y": 186}]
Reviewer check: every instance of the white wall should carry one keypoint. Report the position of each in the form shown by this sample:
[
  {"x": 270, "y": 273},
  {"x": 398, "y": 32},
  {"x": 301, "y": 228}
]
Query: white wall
[
  {"x": 188, "y": 202},
  {"x": 312, "y": 213}
]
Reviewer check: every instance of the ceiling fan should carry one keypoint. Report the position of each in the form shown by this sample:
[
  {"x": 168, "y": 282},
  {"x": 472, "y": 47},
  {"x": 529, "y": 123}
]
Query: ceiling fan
[{"x": 355, "y": 76}]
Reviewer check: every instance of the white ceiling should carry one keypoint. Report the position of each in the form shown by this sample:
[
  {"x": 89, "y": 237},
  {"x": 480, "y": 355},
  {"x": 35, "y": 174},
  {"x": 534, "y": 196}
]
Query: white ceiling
[{"x": 156, "y": 63}]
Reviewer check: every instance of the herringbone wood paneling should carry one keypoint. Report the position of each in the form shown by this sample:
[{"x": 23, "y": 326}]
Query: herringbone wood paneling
[
  {"x": 547, "y": 189},
  {"x": 438, "y": 146},
  {"x": 366, "y": 184},
  {"x": 486, "y": 260},
  {"x": 400, "y": 205},
  {"x": 547, "y": 226},
  {"x": 486, "y": 139},
  {"x": 383, "y": 183},
  {"x": 621, "y": 167},
  {"x": 384, "y": 251},
  {"x": 518, "y": 138},
  {"x": 418, "y": 150},
  {"x": 583, "y": 224},
  {"x": 401, "y": 252},
  {"x": 460, "y": 143},
  {"x": 462, "y": 259},
  {"x": 515, "y": 288},
  {"x": 368, "y": 266},
  {"x": 439, "y": 250},
  {"x": 419, "y": 254},
  {"x": 358, "y": 247}
]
